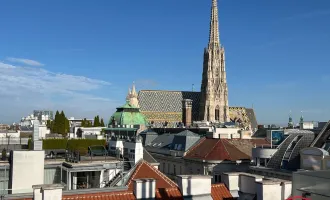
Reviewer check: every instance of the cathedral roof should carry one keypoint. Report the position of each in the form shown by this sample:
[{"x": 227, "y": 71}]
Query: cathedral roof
[{"x": 167, "y": 101}]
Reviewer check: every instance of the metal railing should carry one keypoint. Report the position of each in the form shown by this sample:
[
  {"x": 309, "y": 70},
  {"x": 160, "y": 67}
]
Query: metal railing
[{"x": 11, "y": 140}]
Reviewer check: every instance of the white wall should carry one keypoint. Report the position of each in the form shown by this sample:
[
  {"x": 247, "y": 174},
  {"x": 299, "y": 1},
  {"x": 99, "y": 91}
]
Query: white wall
[
  {"x": 88, "y": 131},
  {"x": 268, "y": 191},
  {"x": 247, "y": 183},
  {"x": 231, "y": 180},
  {"x": 27, "y": 170},
  {"x": 226, "y": 133},
  {"x": 43, "y": 131},
  {"x": 194, "y": 185},
  {"x": 135, "y": 151}
]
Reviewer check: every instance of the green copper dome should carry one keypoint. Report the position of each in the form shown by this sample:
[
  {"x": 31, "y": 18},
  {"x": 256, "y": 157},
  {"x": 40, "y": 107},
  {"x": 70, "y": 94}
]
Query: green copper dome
[{"x": 128, "y": 115}]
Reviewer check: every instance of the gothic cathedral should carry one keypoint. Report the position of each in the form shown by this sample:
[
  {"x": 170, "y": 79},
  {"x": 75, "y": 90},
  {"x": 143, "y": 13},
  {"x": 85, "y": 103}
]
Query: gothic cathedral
[{"x": 214, "y": 90}]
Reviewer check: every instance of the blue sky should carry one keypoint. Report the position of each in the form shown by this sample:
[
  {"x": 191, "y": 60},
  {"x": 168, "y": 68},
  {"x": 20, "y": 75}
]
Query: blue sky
[{"x": 81, "y": 56}]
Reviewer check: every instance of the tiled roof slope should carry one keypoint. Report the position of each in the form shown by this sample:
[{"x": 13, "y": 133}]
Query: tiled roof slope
[
  {"x": 120, "y": 195},
  {"x": 148, "y": 157},
  {"x": 145, "y": 170},
  {"x": 253, "y": 120},
  {"x": 220, "y": 192},
  {"x": 167, "y": 101},
  {"x": 246, "y": 145},
  {"x": 215, "y": 149}
]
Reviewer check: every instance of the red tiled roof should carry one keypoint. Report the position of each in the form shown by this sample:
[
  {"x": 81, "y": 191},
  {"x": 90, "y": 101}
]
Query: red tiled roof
[
  {"x": 168, "y": 194},
  {"x": 145, "y": 170},
  {"x": 220, "y": 192},
  {"x": 216, "y": 149},
  {"x": 166, "y": 189},
  {"x": 120, "y": 195}
]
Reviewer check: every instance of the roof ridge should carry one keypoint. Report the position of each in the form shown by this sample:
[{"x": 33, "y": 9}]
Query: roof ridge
[
  {"x": 196, "y": 145},
  {"x": 168, "y": 180},
  {"x": 226, "y": 147},
  {"x": 138, "y": 166},
  {"x": 235, "y": 148},
  {"x": 212, "y": 148}
]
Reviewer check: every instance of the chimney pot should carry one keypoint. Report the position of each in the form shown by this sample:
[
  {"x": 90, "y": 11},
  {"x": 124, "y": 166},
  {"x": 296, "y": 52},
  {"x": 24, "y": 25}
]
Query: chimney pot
[{"x": 145, "y": 188}]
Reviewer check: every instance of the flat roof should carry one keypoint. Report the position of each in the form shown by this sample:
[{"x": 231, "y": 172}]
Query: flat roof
[{"x": 120, "y": 129}]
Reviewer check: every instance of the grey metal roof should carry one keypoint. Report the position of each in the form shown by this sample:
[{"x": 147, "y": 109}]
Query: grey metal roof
[
  {"x": 184, "y": 140},
  {"x": 148, "y": 136},
  {"x": 148, "y": 157},
  {"x": 162, "y": 141},
  {"x": 187, "y": 133}
]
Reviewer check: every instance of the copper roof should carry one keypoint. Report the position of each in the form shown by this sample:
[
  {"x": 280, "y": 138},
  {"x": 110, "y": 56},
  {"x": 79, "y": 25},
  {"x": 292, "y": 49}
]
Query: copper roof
[
  {"x": 216, "y": 149},
  {"x": 220, "y": 192}
]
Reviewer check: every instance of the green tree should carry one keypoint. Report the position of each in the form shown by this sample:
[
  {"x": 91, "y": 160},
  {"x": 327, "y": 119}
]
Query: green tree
[
  {"x": 83, "y": 122},
  {"x": 102, "y": 123},
  {"x": 55, "y": 124},
  {"x": 97, "y": 122}
]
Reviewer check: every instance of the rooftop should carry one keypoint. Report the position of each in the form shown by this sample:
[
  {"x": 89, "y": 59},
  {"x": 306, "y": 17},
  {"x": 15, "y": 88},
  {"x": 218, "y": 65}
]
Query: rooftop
[{"x": 216, "y": 150}]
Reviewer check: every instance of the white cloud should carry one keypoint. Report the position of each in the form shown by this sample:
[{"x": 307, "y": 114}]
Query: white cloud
[
  {"x": 26, "y": 88},
  {"x": 25, "y": 61}
]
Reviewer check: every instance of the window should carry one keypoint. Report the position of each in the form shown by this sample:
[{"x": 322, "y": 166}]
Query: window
[
  {"x": 174, "y": 169},
  {"x": 198, "y": 171},
  {"x": 180, "y": 170},
  {"x": 217, "y": 113},
  {"x": 164, "y": 167},
  {"x": 168, "y": 168},
  {"x": 179, "y": 147},
  {"x": 217, "y": 178}
]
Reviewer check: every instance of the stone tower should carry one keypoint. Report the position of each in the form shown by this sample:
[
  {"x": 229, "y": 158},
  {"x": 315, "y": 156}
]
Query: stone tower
[
  {"x": 214, "y": 90},
  {"x": 132, "y": 97}
]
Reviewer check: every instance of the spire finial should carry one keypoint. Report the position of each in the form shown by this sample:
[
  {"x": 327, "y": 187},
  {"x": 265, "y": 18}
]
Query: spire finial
[
  {"x": 133, "y": 89},
  {"x": 214, "y": 25}
]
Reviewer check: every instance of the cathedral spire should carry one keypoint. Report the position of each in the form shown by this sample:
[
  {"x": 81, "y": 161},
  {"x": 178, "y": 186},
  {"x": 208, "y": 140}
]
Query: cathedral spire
[
  {"x": 133, "y": 90},
  {"x": 214, "y": 25}
]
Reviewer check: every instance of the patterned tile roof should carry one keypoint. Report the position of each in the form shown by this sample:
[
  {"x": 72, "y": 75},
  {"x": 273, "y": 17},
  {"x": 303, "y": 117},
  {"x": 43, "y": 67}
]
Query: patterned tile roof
[
  {"x": 167, "y": 101},
  {"x": 220, "y": 192},
  {"x": 215, "y": 149},
  {"x": 163, "y": 105}
]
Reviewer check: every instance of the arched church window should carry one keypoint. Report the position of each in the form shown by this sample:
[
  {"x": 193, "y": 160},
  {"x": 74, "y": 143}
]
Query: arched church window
[{"x": 217, "y": 113}]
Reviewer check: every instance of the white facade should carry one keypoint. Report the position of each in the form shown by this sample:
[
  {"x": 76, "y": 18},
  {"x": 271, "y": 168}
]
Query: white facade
[
  {"x": 133, "y": 150},
  {"x": 244, "y": 185},
  {"x": 89, "y": 131},
  {"x": 224, "y": 133},
  {"x": 27, "y": 169}
]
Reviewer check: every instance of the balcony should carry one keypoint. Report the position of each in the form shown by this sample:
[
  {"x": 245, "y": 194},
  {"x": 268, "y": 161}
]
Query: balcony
[{"x": 261, "y": 152}]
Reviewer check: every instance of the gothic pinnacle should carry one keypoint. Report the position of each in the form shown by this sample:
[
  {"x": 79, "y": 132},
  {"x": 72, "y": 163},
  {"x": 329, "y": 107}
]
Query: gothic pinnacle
[{"x": 214, "y": 25}]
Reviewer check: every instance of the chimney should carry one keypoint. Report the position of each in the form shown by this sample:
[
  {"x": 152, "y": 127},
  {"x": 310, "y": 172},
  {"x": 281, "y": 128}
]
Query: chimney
[
  {"x": 187, "y": 112},
  {"x": 194, "y": 185},
  {"x": 47, "y": 192},
  {"x": 145, "y": 188}
]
